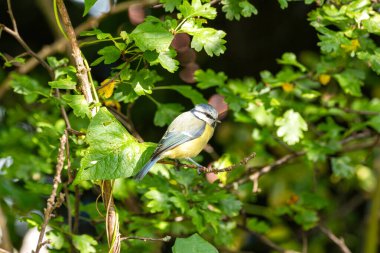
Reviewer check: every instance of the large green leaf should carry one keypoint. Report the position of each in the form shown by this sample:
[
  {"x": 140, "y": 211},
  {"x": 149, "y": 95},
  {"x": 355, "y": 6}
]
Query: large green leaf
[
  {"x": 152, "y": 35},
  {"x": 193, "y": 244},
  {"x": 112, "y": 152}
]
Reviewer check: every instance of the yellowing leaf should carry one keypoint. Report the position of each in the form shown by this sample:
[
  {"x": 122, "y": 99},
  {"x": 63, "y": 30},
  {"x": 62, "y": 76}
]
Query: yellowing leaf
[
  {"x": 287, "y": 87},
  {"x": 324, "y": 79},
  {"x": 108, "y": 88},
  {"x": 355, "y": 44}
]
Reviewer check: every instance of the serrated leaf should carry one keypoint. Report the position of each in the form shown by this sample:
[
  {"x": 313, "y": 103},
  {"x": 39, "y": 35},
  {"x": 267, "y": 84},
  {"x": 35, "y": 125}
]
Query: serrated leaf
[
  {"x": 372, "y": 59},
  {"x": 112, "y": 152},
  {"x": 166, "y": 113},
  {"x": 210, "y": 39},
  {"x": 209, "y": 78},
  {"x": 350, "y": 80},
  {"x": 110, "y": 54},
  {"x": 107, "y": 90},
  {"x": 152, "y": 35},
  {"x": 306, "y": 218},
  {"x": 188, "y": 92},
  {"x": 170, "y": 5},
  {"x": 258, "y": 226},
  {"x": 87, "y": 6},
  {"x": 193, "y": 244},
  {"x": 79, "y": 105},
  {"x": 230, "y": 205},
  {"x": 291, "y": 127},
  {"x": 66, "y": 83},
  {"x": 143, "y": 81},
  {"x": 166, "y": 59},
  {"x": 56, "y": 239},
  {"x": 27, "y": 86},
  {"x": 375, "y": 123},
  {"x": 342, "y": 167},
  {"x": 158, "y": 201},
  {"x": 84, "y": 243},
  {"x": 197, "y": 9},
  {"x": 236, "y": 8}
]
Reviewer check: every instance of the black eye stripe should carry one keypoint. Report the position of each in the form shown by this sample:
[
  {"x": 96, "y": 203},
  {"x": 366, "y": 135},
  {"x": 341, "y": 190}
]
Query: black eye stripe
[{"x": 206, "y": 114}]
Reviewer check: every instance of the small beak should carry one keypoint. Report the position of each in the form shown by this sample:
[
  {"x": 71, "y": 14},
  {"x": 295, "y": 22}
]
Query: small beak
[{"x": 218, "y": 121}]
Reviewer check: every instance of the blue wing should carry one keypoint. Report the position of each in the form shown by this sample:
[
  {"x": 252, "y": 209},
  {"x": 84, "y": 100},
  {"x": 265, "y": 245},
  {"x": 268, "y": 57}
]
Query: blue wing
[{"x": 184, "y": 128}]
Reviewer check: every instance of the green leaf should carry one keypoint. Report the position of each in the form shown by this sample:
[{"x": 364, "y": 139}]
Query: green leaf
[
  {"x": 372, "y": 24},
  {"x": 197, "y": 9},
  {"x": 166, "y": 59},
  {"x": 230, "y": 205},
  {"x": 257, "y": 225},
  {"x": 56, "y": 239},
  {"x": 79, "y": 105},
  {"x": 210, "y": 39},
  {"x": 87, "y": 6},
  {"x": 166, "y": 113},
  {"x": 291, "y": 127},
  {"x": 306, "y": 218},
  {"x": 152, "y": 35},
  {"x": 350, "y": 80},
  {"x": 193, "y": 244},
  {"x": 290, "y": 59},
  {"x": 179, "y": 201},
  {"x": 375, "y": 123},
  {"x": 143, "y": 81},
  {"x": 342, "y": 167},
  {"x": 84, "y": 243},
  {"x": 197, "y": 219},
  {"x": 188, "y": 92},
  {"x": 110, "y": 54},
  {"x": 170, "y": 5},
  {"x": 112, "y": 152},
  {"x": 283, "y": 4},
  {"x": 236, "y": 8},
  {"x": 209, "y": 78},
  {"x": 372, "y": 59},
  {"x": 66, "y": 83},
  {"x": 27, "y": 86},
  {"x": 158, "y": 201}
]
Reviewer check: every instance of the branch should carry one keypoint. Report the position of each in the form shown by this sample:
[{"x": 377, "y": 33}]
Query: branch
[
  {"x": 5, "y": 241},
  {"x": 112, "y": 223},
  {"x": 53, "y": 202},
  {"x": 60, "y": 45},
  {"x": 82, "y": 71},
  {"x": 15, "y": 34},
  {"x": 338, "y": 241},
  {"x": 163, "y": 239}
]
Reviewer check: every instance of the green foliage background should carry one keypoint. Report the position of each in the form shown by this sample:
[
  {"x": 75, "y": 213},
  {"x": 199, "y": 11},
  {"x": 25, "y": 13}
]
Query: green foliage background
[{"x": 321, "y": 109}]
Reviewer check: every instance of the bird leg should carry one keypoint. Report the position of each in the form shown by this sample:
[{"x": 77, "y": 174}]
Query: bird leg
[{"x": 196, "y": 164}]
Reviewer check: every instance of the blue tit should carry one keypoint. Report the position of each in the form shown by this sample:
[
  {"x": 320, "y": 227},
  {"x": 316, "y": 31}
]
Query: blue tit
[{"x": 185, "y": 137}]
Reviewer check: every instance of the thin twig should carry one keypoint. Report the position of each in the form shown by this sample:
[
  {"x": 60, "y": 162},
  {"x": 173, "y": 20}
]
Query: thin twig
[
  {"x": 15, "y": 34},
  {"x": 76, "y": 209},
  {"x": 60, "y": 44},
  {"x": 229, "y": 168},
  {"x": 163, "y": 239},
  {"x": 10, "y": 12},
  {"x": 338, "y": 241},
  {"x": 53, "y": 202}
]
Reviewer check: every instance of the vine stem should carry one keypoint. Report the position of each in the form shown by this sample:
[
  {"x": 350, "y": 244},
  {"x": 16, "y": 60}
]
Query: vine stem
[{"x": 88, "y": 90}]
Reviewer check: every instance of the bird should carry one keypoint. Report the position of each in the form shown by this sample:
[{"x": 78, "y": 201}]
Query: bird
[{"x": 185, "y": 137}]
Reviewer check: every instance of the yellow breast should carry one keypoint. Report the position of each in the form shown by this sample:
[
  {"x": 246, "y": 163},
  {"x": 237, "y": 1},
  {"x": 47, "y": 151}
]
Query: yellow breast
[{"x": 191, "y": 148}]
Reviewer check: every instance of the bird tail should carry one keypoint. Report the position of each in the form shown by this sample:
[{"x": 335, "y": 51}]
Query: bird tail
[{"x": 146, "y": 168}]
